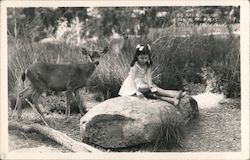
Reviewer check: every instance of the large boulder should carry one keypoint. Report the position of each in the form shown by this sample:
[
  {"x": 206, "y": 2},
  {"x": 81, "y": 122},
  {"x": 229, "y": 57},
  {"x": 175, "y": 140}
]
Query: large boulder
[{"x": 123, "y": 122}]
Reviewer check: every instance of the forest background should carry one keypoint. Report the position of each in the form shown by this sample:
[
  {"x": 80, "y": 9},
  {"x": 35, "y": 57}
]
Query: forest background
[{"x": 190, "y": 45}]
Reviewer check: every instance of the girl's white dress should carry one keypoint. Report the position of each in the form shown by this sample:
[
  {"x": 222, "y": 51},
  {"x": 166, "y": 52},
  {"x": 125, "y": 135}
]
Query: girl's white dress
[{"x": 137, "y": 78}]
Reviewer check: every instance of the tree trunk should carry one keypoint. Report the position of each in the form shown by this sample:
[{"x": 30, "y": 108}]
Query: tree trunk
[{"x": 55, "y": 135}]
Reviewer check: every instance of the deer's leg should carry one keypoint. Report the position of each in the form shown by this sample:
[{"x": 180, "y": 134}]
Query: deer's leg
[
  {"x": 23, "y": 95},
  {"x": 34, "y": 98},
  {"x": 69, "y": 97},
  {"x": 82, "y": 108}
]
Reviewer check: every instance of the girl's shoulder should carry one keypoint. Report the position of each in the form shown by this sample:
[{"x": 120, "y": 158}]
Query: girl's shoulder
[
  {"x": 135, "y": 66},
  {"x": 141, "y": 67}
]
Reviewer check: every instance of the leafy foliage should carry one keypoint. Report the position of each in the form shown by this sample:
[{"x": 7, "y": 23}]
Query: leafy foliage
[
  {"x": 102, "y": 21},
  {"x": 192, "y": 59}
]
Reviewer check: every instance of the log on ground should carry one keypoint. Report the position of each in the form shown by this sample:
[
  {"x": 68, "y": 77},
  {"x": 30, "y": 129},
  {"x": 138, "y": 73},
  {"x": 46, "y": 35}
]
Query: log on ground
[{"x": 55, "y": 135}]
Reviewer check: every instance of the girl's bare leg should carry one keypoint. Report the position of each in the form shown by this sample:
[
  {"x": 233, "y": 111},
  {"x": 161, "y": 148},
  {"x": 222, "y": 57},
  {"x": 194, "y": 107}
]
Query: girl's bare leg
[
  {"x": 168, "y": 93},
  {"x": 174, "y": 101}
]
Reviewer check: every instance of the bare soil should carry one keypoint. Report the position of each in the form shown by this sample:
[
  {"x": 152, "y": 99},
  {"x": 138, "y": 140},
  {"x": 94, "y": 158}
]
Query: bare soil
[{"x": 215, "y": 130}]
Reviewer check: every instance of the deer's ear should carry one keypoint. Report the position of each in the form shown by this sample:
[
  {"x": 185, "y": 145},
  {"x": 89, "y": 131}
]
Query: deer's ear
[
  {"x": 105, "y": 50},
  {"x": 85, "y": 51}
]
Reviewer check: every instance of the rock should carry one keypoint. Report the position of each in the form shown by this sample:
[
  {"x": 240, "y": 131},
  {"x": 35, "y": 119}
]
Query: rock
[{"x": 129, "y": 121}]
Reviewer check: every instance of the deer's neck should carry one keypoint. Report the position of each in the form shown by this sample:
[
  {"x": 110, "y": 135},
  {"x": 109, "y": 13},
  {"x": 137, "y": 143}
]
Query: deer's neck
[{"x": 89, "y": 68}]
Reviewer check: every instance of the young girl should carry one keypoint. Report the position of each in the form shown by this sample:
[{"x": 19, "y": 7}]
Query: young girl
[{"x": 139, "y": 81}]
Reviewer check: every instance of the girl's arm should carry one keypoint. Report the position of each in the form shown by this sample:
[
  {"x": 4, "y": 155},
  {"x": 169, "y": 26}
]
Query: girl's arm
[
  {"x": 132, "y": 73},
  {"x": 139, "y": 94},
  {"x": 149, "y": 77}
]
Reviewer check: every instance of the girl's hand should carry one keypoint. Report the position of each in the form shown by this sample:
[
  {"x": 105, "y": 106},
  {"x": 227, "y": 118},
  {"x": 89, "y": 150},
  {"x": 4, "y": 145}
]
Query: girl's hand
[
  {"x": 153, "y": 89},
  {"x": 140, "y": 95}
]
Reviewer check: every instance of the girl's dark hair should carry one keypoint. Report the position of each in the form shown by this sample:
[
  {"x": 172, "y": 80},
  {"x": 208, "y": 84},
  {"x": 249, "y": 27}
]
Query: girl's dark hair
[{"x": 144, "y": 51}]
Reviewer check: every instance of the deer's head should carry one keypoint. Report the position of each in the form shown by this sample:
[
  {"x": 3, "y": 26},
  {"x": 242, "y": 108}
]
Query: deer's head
[{"x": 94, "y": 55}]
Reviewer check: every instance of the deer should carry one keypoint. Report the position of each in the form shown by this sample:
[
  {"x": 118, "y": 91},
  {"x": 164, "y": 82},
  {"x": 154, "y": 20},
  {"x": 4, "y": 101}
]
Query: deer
[{"x": 50, "y": 77}]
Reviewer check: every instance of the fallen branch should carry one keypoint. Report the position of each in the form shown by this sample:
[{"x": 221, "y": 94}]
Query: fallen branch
[
  {"x": 34, "y": 108},
  {"x": 55, "y": 135}
]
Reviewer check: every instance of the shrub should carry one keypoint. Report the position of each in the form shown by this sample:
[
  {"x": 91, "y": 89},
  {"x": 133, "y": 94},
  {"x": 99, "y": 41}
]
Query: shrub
[
  {"x": 194, "y": 59},
  {"x": 222, "y": 79},
  {"x": 223, "y": 73}
]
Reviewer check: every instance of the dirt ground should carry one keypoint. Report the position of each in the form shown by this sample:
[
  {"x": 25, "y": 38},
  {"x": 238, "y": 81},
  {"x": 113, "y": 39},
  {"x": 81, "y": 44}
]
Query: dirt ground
[{"x": 217, "y": 129}]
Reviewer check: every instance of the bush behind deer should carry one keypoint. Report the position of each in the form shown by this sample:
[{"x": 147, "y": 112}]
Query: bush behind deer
[{"x": 175, "y": 59}]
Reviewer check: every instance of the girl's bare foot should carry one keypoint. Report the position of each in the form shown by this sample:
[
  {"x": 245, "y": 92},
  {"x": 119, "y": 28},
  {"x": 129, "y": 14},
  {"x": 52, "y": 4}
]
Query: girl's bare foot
[
  {"x": 153, "y": 89},
  {"x": 176, "y": 101},
  {"x": 178, "y": 96},
  {"x": 183, "y": 94}
]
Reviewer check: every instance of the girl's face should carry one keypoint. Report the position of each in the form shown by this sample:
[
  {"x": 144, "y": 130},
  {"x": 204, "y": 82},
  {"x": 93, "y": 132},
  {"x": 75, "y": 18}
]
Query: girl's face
[{"x": 143, "y": 59}]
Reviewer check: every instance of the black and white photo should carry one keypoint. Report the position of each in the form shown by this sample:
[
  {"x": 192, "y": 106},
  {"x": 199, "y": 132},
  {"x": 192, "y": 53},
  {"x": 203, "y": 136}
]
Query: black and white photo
[{"x": 144, "y": 79}]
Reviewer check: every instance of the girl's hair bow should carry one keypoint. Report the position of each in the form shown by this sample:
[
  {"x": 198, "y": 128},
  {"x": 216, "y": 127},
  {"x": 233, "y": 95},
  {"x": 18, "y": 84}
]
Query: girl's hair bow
[{"x": 140, "y": 47}]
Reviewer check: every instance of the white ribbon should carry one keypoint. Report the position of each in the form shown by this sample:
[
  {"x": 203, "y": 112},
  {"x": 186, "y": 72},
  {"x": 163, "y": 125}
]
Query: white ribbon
[
  {"x": 141, "y": 47},
  {"x": 138, "y": 46}
]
